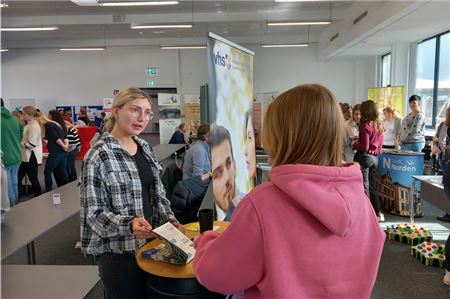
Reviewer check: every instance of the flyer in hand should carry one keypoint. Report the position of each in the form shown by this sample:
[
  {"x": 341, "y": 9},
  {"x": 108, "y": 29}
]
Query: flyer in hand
[{"x": 175, "y": 247}]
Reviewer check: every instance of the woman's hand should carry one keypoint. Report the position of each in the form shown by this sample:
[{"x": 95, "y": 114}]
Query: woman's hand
[{"x": 142, "y": 229}]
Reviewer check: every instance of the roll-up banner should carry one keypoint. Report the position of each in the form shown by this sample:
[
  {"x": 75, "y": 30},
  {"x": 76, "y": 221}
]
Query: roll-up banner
[{"x": 230, "y": 93}]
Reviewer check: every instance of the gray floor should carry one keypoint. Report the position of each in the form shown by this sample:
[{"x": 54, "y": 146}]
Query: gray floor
[{"x": 400, "y": 275}]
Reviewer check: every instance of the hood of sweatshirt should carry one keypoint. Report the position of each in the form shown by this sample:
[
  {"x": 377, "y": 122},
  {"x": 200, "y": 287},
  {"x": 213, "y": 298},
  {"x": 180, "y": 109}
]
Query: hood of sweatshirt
[
  {"x": 5, "y": 113},
  {"x": 331, "y": 194}
]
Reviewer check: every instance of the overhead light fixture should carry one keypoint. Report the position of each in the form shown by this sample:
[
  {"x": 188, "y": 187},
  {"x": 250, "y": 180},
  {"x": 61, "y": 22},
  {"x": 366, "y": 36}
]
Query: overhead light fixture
[
  {"x": 4, "y": 50},
  {"x": 181, "y": 47},
  {"x": 299, "y": 23},
  {"x": 2, "y": 5},
  {"x": 284, "y": 45},
  {"x": 159, "y": 26},
  {"x": 82, "y": 49},
  {"x": 287, "y": 1},
  {"x": 138, "y": 3},
  {"x": 51, "y": 28}
]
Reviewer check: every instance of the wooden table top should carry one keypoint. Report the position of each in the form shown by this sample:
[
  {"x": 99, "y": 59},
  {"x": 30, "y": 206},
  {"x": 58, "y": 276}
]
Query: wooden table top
[{"x": 167, "y": 270}]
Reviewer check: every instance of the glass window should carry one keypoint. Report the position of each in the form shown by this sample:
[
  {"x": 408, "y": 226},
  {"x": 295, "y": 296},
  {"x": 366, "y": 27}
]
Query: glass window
[
  {"x": 425, "y": 76},
  {"x": 443, "y": 94},
  {"x": 386, "y": 70}
]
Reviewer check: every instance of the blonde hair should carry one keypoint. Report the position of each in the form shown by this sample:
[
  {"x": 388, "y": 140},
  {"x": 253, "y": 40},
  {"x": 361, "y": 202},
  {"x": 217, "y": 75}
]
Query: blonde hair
[
  {"x": 304, "y": 125},
  {"x": 30, "y": 110},
  {"x": 123, "y": 97},
  {"x": 42, "y": 120}
]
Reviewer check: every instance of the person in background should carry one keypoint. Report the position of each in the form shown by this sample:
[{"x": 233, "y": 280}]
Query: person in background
[
  {"x": 440, "y": 148},
  {"x": 83, "y": 119},
  {"x": 392, "y": 128},
  {"x": 351, "y": 134},
  {"x": 19, "y": 115},
  {"x": 311, "y": 198},
  {"x": 193, "y": 132},
  {"x": 74, "y": 150},
  {"x": 412, "y": 135},
  {"x": 11, "y": 136},
  {"x": 346, "y": 111},
  {"x": 102, "y": 124},
  {"x": 368, "y": 147},
  {"x": 31, "y": 150},
  {"x": 65, "y": 115},
  {"x": 197, "y": 160},
  {"x": 178, "y": 137},
  {"x": 250, "y": 151},
  {"x": 121, "y": 196},
  {"x": 58, "y": 146},
  {"x": 446, "y": 183}
]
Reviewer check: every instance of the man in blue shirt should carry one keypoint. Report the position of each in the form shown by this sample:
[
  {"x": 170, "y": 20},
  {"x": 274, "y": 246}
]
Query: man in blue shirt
[
  {"x": 198, "y": 158},
  {"x": 178, "y": 135}
]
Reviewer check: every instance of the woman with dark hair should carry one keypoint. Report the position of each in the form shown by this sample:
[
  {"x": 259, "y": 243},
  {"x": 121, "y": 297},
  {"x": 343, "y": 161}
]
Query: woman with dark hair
[
  {"x": 58, "y": 146},
  {"x": 368, "y": 148},
  {"x": 412, "y": 136}
]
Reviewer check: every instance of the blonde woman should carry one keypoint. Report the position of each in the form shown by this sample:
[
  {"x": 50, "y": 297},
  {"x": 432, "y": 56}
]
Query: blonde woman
[
  {"x": 392, "y": 127},
  {"x": 289, "y": 237},
  {"x": 31, "y": 149},
  {"x": 122, "y": 196}
]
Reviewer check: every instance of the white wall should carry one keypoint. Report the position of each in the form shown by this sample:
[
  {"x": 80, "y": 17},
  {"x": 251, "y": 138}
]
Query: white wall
[{"x": 53, "y": 77}]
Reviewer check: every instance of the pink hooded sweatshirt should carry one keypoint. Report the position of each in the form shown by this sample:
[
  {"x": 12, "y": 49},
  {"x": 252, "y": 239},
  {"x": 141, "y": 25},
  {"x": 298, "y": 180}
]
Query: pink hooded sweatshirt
[{"x": 310, "y": 232}]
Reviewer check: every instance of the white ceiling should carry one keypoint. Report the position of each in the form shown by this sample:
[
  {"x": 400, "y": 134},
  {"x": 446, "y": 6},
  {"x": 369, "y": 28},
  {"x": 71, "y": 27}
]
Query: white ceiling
[
  {"x": 241, "y": 21},
  {"x": 244, "y": 20}
]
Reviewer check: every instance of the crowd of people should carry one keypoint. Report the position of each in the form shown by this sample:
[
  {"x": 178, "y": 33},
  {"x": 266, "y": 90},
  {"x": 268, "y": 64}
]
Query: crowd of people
[
  {"x": 315, "y": 195},
  {"x": 29, "y": 136}
]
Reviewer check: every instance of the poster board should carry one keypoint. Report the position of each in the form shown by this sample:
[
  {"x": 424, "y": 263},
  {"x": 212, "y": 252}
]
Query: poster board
[
  {"x": 169, "y": 115},
  {"x": 393, "y": 97},
  {"x": 230, "y": 93}
]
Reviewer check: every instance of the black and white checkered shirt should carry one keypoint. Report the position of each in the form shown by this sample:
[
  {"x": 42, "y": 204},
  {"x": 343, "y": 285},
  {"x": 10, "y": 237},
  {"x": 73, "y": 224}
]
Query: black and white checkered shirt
[{"x": 111, "y": 196}]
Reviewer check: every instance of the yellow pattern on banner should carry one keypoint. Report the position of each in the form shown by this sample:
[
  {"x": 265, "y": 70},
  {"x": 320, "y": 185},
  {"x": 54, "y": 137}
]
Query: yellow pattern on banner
[{"x": 393, "y": 97}]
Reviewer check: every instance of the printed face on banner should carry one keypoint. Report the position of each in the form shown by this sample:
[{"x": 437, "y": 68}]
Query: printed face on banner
[{"x": 232, "y": 134}]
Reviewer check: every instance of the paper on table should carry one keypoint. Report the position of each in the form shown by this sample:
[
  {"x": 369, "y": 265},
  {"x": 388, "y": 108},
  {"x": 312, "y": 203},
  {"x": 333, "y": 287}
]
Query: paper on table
[{"x": 181, "y": 244}]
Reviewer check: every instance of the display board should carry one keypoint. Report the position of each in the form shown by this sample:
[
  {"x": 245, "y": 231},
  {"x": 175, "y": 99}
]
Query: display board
[
  {"x": 230, "y": 93},
  {"x": 393, "y": 97},
  {"x": 169, "y": 115}
]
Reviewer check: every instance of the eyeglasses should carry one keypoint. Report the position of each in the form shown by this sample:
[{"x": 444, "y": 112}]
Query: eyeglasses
[{"x": 136, "y": 112}]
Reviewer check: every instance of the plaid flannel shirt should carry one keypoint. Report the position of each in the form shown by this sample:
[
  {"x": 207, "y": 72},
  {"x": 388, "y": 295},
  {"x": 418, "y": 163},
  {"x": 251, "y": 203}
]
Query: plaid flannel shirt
[{"x": 111, "y": 196}]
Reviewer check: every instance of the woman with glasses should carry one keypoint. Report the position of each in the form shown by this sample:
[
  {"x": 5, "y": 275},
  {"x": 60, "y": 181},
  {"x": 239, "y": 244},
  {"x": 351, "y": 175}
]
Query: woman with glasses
[{"x": 122, "y": 197}]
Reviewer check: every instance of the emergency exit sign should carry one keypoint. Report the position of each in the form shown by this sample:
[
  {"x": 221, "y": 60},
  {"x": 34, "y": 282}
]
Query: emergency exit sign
[{"x": 152, "y": 71}]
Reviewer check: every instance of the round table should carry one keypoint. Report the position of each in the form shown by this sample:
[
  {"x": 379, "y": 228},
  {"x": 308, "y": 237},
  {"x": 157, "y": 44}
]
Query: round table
[{"x": 166, "y": 280}]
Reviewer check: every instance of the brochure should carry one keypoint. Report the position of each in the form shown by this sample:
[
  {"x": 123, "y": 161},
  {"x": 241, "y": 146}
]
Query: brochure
[{"x": 175, "y": 247}]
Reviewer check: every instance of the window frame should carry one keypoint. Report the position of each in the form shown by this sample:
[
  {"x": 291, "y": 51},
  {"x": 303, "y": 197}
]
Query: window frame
[
  {"x": 437, "y": 57},
  {"x": 381, "y": 69}
]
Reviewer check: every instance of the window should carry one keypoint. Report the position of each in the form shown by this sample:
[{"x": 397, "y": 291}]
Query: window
[
  {"x": 386, "y": 70},
  {"x": 433, "y": 77}
]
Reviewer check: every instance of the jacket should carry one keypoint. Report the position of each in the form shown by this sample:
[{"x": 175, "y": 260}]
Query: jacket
[
  {"x": 187, "y": 196},
  {"x": 310, "y": 232},
  {"x": 11, "y": 135},
  {"x": 111, "y": 196},
  {"x": 32, "y": 142}
]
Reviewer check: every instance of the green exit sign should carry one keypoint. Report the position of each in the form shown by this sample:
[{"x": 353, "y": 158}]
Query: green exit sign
[
  {"x": 150, "y": 83},
  {"x": 152, "y": 71}
]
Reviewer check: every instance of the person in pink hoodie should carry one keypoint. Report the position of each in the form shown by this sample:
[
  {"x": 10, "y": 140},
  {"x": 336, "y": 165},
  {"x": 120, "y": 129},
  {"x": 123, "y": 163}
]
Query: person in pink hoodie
[{"x": 309, "y": 232}]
